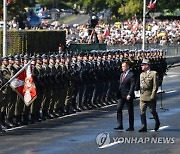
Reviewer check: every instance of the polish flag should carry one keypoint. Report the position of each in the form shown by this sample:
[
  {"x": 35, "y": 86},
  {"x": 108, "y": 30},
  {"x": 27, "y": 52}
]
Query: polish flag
[
  {"x": 9, "y": 1},
  {"x": 23, "y": 83},
  {"x": 151, "y": 4}
]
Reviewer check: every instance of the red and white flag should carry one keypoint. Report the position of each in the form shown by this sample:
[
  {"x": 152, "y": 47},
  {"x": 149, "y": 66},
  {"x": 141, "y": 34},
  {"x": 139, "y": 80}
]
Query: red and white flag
[
  {"x": 9, "y": 1},
  {"x": 23, "y": 83},
  {"x": 152, "y": 4}
]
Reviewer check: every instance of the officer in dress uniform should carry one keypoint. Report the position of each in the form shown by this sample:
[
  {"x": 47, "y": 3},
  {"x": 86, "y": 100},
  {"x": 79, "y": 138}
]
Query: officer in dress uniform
[{"x": 148, "y": 90}]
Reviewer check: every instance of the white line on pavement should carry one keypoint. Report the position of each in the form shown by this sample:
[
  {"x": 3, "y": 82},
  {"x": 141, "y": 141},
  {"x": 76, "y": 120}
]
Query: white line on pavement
[
  {"x": 14, "y": 128},
  {"x": 171, "y": 76},
  {"x": 109, "y": 145},
  {"x": 172, "y": 91},
  {"x": 161, "y": 128},
  {"x": 117, "y": 142}
]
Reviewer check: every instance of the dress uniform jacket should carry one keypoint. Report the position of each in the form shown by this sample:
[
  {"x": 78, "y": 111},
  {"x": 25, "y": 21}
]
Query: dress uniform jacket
[{"x": 148, "y": 85}]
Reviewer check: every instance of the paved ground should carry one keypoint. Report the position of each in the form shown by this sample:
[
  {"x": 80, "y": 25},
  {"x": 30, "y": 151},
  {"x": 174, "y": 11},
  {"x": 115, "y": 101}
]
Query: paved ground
[
  {"x": 77, "y": 133},
  {"x": 78, "y": 19}
]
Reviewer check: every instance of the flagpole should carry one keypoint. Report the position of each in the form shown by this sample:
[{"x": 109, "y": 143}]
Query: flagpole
[
  {"x": 144, "y": 25},
  {"x": 4, "y": 28},
  {"x": 17, "y": 73}
]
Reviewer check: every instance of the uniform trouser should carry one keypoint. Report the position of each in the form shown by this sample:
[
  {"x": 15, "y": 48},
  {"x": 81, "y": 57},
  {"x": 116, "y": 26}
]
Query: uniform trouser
[
  {"x": 98, "y": 92},
  {"x": 5, "y": 102},
  {"x": 109, "y": 94},
  {"x": 80, "y": 94},
  {"x": 2, "y": 105},
  {"x": 101, "y": 92},
  {"x": 130, "y": 107},
  {"x": 46, "y": 101},
  {"x": 11, "y": 105},
  {"x": 62, "y": 98},
  {"x": 105, "y": 89},
  {"x": 52, "y": 100},
  {"x": 68, "y": 100},
  {"x": 75, "y": 103},
  {"x": 152, "y": 107},
  {"x": 26, "y": 110},
  {"x": 88, "y": 94},
  {"x": 36, "y": 105},
  {"x": 19, "y": 106},
  {"x": 115, "y": 89},
  {"x": 57, "y": 100}
]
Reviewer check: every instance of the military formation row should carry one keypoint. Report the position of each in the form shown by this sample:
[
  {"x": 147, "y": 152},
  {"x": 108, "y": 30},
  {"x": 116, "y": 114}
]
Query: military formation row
[{"x": 69, "y": 83}]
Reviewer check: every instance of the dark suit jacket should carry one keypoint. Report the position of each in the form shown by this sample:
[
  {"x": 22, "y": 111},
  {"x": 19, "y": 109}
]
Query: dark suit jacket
[{"x": 127, "y": 86}]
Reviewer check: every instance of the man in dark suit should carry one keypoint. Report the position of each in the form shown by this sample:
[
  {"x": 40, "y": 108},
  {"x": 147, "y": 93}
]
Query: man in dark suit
[{"x": 126, "y": 95}]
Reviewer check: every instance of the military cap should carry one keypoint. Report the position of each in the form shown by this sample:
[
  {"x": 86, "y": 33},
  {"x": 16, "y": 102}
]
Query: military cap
[
  {"x": 16, "y": 57},
  {"x": 62, "y": 56},
  {"x": 38, "y": 57},
  {"x": 68, "y": 56},
  {"x": 33, "y": 58},
  {"x": 11, "y": 57},
  {"x": 4, "y": 58},
  {"x": 44, "y": 56},
  {"x": 57, "y": 56},
  {"x": 26, "y": 57},
  {"x": 52, "y": 57},
  {"x": 145, "y": 62}
]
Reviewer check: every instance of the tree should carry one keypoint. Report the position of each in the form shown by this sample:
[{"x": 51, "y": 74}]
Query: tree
[
  {"x": 131, "y": 8},
  {"x": 172, "y": 5},
  {"x": 114, "y": 5},
  {"x": 16, "y": 7}
]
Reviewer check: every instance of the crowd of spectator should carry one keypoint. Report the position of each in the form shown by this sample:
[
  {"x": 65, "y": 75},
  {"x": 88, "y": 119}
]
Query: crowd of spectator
[{"x": 128, "y": 32}]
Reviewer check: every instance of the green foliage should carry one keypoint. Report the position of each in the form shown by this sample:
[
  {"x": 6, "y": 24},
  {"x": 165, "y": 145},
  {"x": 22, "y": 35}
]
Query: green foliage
[
  {"x": 16, "y": 7},
  {"x": 117, "y": 6},
  {"x": 131, "y": 7}
]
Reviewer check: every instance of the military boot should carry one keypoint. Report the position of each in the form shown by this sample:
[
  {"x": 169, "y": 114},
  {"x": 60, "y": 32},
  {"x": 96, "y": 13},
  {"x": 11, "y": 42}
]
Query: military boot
[
  {"x": 144, "y": 123},
  {"x": 157, "y": 122}
]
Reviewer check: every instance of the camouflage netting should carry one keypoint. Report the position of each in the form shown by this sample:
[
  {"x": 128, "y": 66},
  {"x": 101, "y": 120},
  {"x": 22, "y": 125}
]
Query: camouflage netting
[{"x": 32, "y": 41}]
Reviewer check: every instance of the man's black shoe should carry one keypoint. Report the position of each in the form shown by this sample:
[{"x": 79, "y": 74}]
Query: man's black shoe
[
  {"x": 119, "y": 128},
  {"x": 9, "y": 125},
  {"x": 83, "y": 108},
  {"x": 130, "y": 129},
  {"x": 78, "y": 109},
  {"x": 157, "y": 126},
  {"x": 143, "y": 129}
]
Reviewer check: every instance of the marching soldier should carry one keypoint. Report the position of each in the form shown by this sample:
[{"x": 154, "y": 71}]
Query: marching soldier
[
  {"x": 36, "y": 105},
  {"x": 19, "y": 104},
  {"x": 1, "y": 102},
  {"x": 148, "y": 89},
  {"x": 53, "y": 85},
  {"x": 6, "y": 92},
  {"x": 47, "y": 91},
  {"x": 70, "y": 86},
  {"x": 11, "y": 105}
]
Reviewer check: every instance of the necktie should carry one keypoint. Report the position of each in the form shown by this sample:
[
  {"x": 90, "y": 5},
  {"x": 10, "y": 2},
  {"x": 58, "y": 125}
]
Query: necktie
[{"x": 123, "y": 76}]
